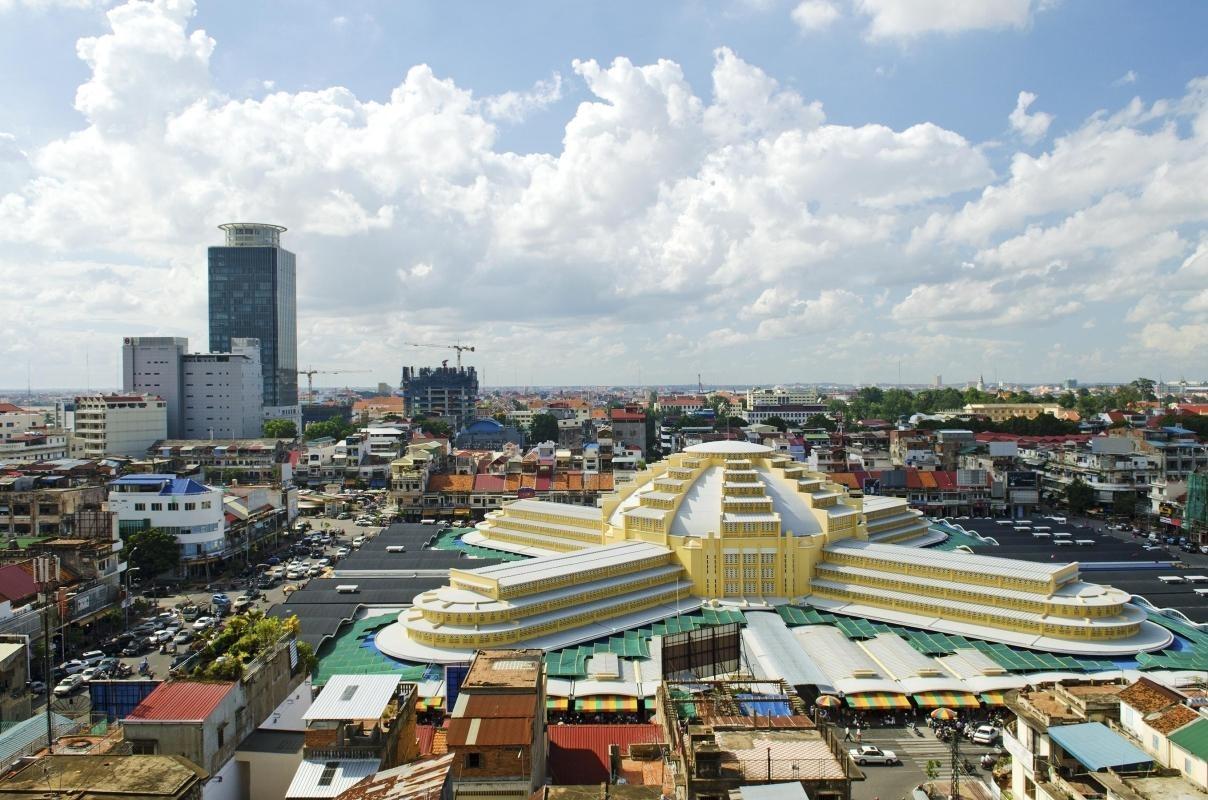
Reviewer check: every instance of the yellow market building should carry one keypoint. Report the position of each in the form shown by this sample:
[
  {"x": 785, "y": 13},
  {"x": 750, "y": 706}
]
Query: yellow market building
[{"x": 734, "y": 523}]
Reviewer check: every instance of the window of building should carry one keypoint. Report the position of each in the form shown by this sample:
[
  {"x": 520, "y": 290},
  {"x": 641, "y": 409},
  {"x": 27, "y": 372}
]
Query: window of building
[
  {"x": 140, "y": 506},
  {"x": 190, "y": 506},
  {"x": 473, "y": 760},
  {"x": 142, "y": 747},
  {"x": 157, "y": 506},
  {"x": 174, "y": 506}
]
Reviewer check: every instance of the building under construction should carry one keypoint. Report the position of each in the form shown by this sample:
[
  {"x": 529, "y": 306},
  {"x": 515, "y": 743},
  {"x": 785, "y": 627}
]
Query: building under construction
[{"x": 449, "y": 393}]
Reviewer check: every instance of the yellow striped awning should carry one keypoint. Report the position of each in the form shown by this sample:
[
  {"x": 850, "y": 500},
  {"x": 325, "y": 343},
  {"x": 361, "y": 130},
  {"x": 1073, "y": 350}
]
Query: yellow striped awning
[
  {"x": 877, "y": 700},
  {"x": 428, "y": 703},
  {"x": 606, "y": 703},
  {"x": 946, "y": 700},
  {"x": 994, "y": 698},
  {"x": 556, "y": 703}
]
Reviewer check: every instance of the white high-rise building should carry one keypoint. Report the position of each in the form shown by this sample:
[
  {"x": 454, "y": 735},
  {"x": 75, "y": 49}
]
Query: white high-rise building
[
  {"x": 208, "y": 395},
  {"x": 118, "y": 424}
]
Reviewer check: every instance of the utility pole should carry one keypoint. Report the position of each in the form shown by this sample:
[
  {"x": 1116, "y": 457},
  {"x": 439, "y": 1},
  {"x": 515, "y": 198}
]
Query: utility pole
[{"x": 46, "y": 612}]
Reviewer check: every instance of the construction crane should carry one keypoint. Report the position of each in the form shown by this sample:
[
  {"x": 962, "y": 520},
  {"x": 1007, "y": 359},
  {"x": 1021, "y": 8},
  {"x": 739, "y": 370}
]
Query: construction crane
[
  {"x": 311, "y": 373},
  {"x": 460, "y": 348}
]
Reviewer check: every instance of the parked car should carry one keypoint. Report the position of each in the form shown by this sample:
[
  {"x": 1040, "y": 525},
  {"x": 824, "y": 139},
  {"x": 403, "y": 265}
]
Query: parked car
[
  {"x": 92, "y": 672},
  {"x": 37, "y": 687},
  {"x": 241, "y": 605},
  {"x": 183, "y": 637},
  {"x": 344, "y": 551},
  {"x": 71, "y": 667},
  {"x": 108, "y": 664},
  {"x": 985, "y": 734},
  {"x": 136, "y": 648},
  {"x": 162, "y": 636},
  {"x": 68, "y": 685},
  {"x": 871, "y": 754},
  {"x": 204, "y": 622},
  {"x": 357, "y": 542},
  {"x": 93, "y": 657}
]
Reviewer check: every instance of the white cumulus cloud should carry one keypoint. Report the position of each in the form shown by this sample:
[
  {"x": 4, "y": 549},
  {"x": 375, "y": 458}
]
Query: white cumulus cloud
[
  {"x": 1030, "y": 127},
  {"x": 815, "y": 15},
  {"x": 906, "y": 19},
  {"x": 675, "y": 222}
]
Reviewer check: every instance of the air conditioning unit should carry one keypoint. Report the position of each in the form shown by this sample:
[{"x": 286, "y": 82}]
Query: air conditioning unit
[
  {"x": 347, "y": 588},
  {"x": 396, "y": 548}
]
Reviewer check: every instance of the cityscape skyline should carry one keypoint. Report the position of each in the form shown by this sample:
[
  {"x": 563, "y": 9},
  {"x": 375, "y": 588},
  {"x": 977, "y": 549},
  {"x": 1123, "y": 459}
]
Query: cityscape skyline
[{"x": 718, "y": 202}]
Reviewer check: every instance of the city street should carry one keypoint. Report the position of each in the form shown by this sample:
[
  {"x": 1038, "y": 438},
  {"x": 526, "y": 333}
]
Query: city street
[
  {"x": 159, "y": 663},
  {"x": 892, "y": 783}
]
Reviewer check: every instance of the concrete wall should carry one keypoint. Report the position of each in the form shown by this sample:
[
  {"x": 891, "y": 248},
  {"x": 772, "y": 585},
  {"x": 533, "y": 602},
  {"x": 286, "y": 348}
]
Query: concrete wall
[
  {"x": 263, "y": 775},
  {"x": 224, "y": 785},
  {"x": 152, "y": 365}
]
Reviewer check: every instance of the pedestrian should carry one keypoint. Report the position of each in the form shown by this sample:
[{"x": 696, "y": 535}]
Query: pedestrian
[
  {"x": 859, "y": 735},
  {"x": 847, "y": 733}
]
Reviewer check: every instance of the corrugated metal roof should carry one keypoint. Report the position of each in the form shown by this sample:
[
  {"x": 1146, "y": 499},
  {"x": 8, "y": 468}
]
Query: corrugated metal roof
[
  {"x": 181, "y": 701},
  {"x": 29, "y": 735},
  {"x": 424, "y": 736},
  {"x": 1096, "y": 746},
  {"x": 1193, "y": 738},
  {"x": 579, "y": 753},
  {"x": 320, "y": 779},
  {"x": 420, "y": 779},
  {"x": 350, "y": 697},
  {"x": 478, "y": 731},
  {"x": 495, "y": 706},
  {"x": 792, "y": 790}
]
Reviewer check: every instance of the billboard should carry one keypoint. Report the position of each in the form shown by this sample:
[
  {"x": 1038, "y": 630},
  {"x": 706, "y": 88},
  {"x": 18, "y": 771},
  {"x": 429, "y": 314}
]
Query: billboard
[
  {"x": 1022, "y": 479},
  {"x": 703, "y": 652}
]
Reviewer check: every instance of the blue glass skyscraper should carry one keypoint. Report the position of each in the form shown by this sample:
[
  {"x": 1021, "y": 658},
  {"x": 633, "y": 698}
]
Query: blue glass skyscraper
[{"x": 253, "y": 295}]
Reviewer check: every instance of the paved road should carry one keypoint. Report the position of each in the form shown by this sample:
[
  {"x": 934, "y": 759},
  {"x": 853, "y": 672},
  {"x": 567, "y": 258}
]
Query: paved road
[{"x": 892, "y": 783}]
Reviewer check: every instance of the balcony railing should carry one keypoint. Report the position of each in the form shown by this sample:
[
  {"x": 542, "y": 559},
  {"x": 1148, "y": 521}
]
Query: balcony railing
[{"x": 348, "y": 751}]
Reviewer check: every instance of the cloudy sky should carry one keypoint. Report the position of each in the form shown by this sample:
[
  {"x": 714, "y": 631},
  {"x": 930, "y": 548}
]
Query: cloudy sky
[{"x": 757, "y": 191}]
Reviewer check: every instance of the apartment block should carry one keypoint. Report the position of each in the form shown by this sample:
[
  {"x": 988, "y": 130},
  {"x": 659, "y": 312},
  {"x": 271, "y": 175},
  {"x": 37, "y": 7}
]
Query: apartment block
[{"x": 119, "y": 424}]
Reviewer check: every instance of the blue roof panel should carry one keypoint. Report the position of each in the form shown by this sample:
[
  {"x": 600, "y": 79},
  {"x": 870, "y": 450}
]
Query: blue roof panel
[{"x": 1097, "y": 747}]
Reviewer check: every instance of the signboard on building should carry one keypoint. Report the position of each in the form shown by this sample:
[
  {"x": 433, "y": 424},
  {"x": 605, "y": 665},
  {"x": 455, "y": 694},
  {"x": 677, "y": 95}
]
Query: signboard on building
[
  {"x": 711, "y": 650},
  {"x": 1022, "y": 479},
  {"x": 970, "y": 477}
]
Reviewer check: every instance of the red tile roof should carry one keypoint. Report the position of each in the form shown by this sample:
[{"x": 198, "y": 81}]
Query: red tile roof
[
  {"x": 9, "y": 408},
  {"x": 451, "y": 483},
  {"x": 181, "y": 701},
  {"x": 578, "y": 754},
  {"x": 620, "y": 415}
]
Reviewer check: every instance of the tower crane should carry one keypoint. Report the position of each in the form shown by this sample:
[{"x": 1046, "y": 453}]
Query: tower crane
[
  {"x": 460, "y": 348},
  {"x": 311, "y": 373}
]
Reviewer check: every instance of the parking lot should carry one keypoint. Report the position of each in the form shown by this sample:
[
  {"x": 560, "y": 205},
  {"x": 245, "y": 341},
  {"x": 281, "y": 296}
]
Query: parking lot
[{"x": 173, "y": 619}]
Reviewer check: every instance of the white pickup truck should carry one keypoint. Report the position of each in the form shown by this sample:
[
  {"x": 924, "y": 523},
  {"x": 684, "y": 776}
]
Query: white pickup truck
[{"x": 871, "y": 754}]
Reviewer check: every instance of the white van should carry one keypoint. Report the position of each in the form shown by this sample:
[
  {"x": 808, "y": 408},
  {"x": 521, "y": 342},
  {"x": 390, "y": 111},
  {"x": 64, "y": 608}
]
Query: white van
[{"x": 357, "y": 542}]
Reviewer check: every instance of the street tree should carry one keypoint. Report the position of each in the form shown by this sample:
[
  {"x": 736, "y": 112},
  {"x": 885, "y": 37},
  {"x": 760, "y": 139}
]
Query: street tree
[
  {"x": 155, "y": 551},
  {"x": 280, "y": 429},
  {"x": 543, "y": 428},
  {"x": 1079, "y": 496}
]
